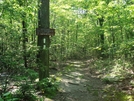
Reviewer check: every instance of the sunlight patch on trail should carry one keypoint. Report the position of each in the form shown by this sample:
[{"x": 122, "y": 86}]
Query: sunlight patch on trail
[
  {"x": 75, "y": 74},
  {"x": 75, "y": 81}
]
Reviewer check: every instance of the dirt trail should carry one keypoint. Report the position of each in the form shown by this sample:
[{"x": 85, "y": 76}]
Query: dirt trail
[{"x": 78, "y": 83}]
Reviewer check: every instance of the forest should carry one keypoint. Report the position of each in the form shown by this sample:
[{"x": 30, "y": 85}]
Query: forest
[{"x": 89, "y": 58}]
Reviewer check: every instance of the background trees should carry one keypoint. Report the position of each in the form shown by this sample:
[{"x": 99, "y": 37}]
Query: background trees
[
  {"x": 92, "y": 28},
  {"x": 84, "y": 29},
  {"x": 101, "y": 28},
  {"x": 17, "y": 35}
]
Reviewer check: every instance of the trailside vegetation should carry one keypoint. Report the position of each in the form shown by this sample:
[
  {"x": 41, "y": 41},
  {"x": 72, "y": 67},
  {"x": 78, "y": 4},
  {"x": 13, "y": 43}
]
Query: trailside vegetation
[{"x": 101, "y": 30}]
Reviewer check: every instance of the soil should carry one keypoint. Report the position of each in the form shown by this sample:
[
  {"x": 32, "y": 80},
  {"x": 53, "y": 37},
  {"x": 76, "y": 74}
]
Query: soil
[{"x": 79, "y": 83}]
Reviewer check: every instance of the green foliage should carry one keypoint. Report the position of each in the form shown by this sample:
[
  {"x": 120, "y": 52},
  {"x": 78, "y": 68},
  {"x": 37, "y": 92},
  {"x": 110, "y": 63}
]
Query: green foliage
[
  {"x": 117, "y": 96},
  {"x": 84, "y": 28},
  {"x": 26, "y": 90},
  {"x": 8, "y": 96},
  {"x": 26, "y": 93},
  {"x": 77, "y": 27},
  {"x": 31, "y": 74},
  {"x": 113, "y": 71},
  {"x": 48, "y": 86}
]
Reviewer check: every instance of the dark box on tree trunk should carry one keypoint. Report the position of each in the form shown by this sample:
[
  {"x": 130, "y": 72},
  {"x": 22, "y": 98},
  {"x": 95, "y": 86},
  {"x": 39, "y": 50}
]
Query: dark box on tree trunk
[{"x": 42, "y": 31}]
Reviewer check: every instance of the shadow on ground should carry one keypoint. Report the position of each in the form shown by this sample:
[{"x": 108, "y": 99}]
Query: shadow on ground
[
  {"x": 77, "y": 84},
  {"x": 81, "y": 81}
]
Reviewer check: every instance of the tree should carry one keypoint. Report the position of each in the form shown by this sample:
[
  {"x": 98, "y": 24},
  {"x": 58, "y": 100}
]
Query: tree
[{"x": 43, "y": 40}]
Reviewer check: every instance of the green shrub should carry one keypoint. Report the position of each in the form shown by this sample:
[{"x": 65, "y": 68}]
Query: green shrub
[
  {"x": 48, "y": 86},
  {"x": 26, "y": 93},
  {"x": 8, "y": 96}
]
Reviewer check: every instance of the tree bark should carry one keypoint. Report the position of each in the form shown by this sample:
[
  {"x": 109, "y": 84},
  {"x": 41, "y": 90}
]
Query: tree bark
[{"x": 43, "y": 41}]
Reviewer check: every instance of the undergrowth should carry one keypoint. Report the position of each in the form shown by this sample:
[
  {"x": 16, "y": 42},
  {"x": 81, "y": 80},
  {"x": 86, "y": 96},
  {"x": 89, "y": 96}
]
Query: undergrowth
[{"x": 118, "y": 75}]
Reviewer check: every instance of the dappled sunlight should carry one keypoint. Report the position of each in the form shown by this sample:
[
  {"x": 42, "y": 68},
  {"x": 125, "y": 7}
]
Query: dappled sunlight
[
  {"x": 76, "y": 74},
  {"x": 95, "y": 79},
  {"x": 71, "y": 82},
  {"x": 81, "y": 50},
  {"x": 75, "y": 83},
  {"x": 75, "y": 62},
  {"x": 118, "y": 72},
  {"x": 76, "y": 65},
  {"x": 47, "y": 99}
]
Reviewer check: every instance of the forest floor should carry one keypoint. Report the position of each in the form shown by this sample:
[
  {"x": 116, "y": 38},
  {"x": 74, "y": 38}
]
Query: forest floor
[
  {"x": 78, "y": 83},
  {"x": 81, "y": 82},
  {"x": 91, "y": 80}
]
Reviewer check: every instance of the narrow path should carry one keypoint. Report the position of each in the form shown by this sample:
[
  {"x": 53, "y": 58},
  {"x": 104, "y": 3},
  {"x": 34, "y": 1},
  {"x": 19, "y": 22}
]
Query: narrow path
[{"x": 78, "y": 84}]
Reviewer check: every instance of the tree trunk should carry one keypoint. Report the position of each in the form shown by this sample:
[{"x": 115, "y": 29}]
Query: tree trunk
[
  {"x": 24, "y": 31},
  {"x": 102, "y": 38},
  {"x": 43, "y": 41}
]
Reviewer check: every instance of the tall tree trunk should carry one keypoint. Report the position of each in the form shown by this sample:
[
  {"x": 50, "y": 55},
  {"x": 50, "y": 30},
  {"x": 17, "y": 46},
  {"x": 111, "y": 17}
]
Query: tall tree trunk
[
  {"x": 102, "y": 38},
  {"x": 101, "y": 20},
  {"x": 24, "y": 31},
  {"x": 43, "y": 40}
]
